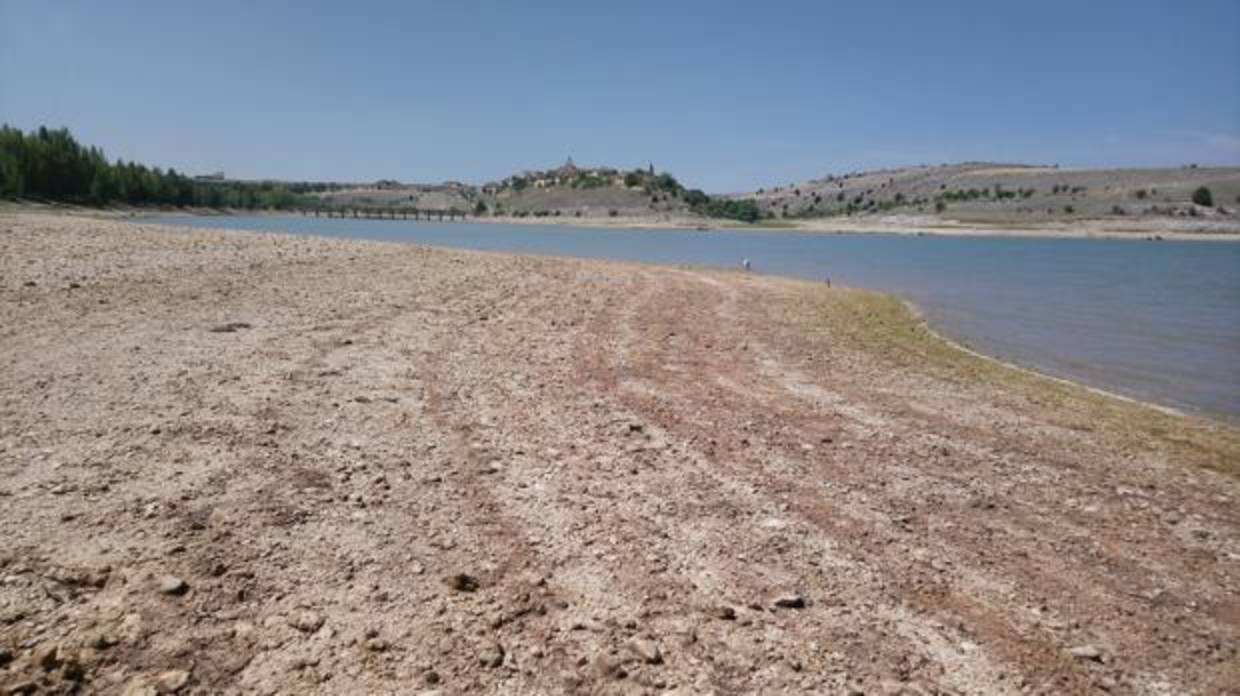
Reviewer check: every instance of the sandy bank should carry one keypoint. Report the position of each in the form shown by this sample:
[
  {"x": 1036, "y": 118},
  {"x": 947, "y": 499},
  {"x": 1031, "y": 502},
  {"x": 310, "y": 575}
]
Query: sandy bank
[
  {"x": 268, "y": 463},
  {"x": 1132, "y": 228}
]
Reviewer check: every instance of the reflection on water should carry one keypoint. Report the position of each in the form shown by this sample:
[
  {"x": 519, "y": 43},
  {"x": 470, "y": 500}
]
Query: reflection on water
[{"x": 1155, "y": 320}]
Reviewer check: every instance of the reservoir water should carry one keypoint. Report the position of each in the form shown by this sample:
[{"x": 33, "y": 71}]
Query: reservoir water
[{"x": 1158, "y": 321}]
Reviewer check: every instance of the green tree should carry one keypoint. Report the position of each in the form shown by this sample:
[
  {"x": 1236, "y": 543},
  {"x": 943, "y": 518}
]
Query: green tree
[
  {"x": 50, "y": 164},
  {"x": 1202, "y": 196},
  {"x": 695, "y": 198}
]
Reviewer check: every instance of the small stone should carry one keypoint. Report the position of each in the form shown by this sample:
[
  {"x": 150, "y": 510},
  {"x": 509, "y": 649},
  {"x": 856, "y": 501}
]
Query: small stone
[
  {"x": 305, "y": 620},
  {"x": 131, "y": 628},
  {"x": 606, "y": 667},
  {"x": 462, "y": 582},
  {"x": 491, "y": 655},
  {"x": 172, "y": 585},
  {"x": 139, "y": 688},
  {"x": 73, "y": 670},
  {"x": 1086, "y": 652},
  {"x": 172, "y": 681},
  {"x": 48, "y": 657},
  {"x": 646, "y": 650},
  {"x": 102, "y": 640},
  {"x": 431, "y": 677},
  {"x": 890, "y": 687},
  {"x": 22, "y": 687},
  {"x": 377, "y": 645},
  {"x": 725, "y": 613},
  {"x": 790, "y": 601},
  {"x": 982, "y": 503},
  {"x": 6, "y": 656}
]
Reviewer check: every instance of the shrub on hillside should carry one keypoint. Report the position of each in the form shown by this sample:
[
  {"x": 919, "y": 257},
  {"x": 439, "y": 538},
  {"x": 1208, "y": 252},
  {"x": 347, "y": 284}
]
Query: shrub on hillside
[
  {"x": 1202, "y": 196},
  {"x": 695, "y": 198},
  {"x": 666, "y": 182},
  {"x": 588, "y": 181},
  {"x": 745, "y": 211}
]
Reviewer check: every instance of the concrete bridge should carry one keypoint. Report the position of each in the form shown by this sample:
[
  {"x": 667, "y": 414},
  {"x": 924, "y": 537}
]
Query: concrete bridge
[{"x": 449, "y": 215}]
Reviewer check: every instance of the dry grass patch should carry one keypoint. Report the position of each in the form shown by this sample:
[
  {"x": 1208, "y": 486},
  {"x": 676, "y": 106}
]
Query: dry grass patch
[{"x": 886, "y": 329}]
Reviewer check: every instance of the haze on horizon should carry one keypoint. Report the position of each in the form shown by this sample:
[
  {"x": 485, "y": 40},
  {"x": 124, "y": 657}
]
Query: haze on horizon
[{"x": 728, "y": 97}]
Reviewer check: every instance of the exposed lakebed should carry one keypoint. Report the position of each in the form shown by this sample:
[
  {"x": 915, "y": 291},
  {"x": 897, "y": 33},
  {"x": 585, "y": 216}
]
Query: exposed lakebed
[{"x": 1159, "y": 321}]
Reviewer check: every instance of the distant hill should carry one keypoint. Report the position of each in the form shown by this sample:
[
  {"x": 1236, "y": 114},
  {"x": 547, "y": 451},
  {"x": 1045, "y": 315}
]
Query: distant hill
[
  {"x": 566, "y": 191},
  {"x": 50, "y": 166},
  {"x": 588, "y": 192},
  {"x": 979, "y": 192},
  {"x": 393, "y": 194},
  {"x": 974, "y": 193}
]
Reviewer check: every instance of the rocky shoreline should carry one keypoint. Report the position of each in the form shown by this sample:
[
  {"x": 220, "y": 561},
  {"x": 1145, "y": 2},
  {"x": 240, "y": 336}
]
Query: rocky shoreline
[{"x": 244, "y": 463}]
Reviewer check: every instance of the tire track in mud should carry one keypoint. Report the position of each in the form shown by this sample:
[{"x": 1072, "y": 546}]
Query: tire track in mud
[
  {"x": 761, "y": 486},
  {"x": 953, "y": 564}
]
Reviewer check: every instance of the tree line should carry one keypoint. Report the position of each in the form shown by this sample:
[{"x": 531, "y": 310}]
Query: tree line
[
  {"x": 699, "y": 202},
  {"x": 49, "y": 164}
]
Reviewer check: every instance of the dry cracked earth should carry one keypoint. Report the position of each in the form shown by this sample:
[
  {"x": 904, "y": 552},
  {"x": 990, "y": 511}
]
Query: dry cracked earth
[{"x": 236, "y": 463}]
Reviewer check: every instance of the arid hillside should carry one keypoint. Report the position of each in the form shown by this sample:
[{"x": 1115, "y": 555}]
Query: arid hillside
[
  {"x": 979, "y": 195},
  {"x": 566, "y": 192},
  {"x": 1002, "y": 194},
  {"x": 389, "y": 195}
]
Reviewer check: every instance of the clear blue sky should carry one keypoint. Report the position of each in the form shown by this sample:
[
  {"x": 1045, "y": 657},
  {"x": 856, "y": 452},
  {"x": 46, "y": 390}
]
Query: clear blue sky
[{"x": 726, "y": 95}]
